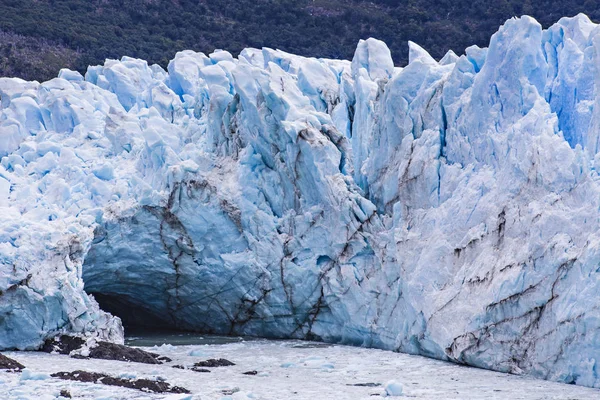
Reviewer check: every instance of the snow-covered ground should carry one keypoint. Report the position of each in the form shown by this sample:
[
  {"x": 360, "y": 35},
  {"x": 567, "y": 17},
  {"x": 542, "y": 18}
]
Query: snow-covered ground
[{"x": 286, "y": 370}]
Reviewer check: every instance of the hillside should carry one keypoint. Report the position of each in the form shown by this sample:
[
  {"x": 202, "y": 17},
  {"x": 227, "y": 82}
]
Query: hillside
[{"x": 38, "y": 37}]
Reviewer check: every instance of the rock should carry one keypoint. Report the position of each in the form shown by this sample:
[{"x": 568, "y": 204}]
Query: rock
[
  {"x": 119, "y": 352},
  {"x": 195, "y": 369},
  {"x": 10, "y": 364},
  {"x": 145, "y": 385},
  {"x": 65, "y": 393},
  {"x": 368, "y": 384},
  {"x": 63, "y": 344},
  {"x": 220, "y": 362},
  {"x": 250, "y": 372},
  {"x": 229, "y": 392},
  {"x": 66, "y": 344}
]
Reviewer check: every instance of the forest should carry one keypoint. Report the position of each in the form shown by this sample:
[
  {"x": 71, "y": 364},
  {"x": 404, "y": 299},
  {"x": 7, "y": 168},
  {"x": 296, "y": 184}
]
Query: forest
[{"x": 38, "y": 37}]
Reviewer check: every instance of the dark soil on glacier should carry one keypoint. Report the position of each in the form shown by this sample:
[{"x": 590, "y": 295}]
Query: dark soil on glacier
[
  {"x": 10, "y": 364},
  {"x": 145, "y": 385},
  {"x": 103, "y": 350}
]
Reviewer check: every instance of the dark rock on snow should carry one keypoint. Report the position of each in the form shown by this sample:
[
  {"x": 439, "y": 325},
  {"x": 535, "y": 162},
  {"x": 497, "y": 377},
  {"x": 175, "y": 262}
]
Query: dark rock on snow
[
  {"x": 221, "y": 362},
  {"x": 196, "y": 369},
  {"x": 104, "y": 350},
  {"x": 65, "y": 393},
  {"x": 10, "y": 364},
  {"x": 63, "y": 344},
  {"x": 368, "y": 384},
  {"x": 118, "y": 352},
  {"x": 250, "y": 372},
  {"x": 140, "y": 384}
]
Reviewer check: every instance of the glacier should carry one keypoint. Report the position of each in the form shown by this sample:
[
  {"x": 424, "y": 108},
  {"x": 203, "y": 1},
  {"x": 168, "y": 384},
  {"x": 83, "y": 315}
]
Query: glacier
[{"x": 447, "y": 208}]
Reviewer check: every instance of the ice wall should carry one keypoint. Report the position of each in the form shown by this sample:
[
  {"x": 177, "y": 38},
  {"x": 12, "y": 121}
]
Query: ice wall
[{"x": 447, "y": 208}]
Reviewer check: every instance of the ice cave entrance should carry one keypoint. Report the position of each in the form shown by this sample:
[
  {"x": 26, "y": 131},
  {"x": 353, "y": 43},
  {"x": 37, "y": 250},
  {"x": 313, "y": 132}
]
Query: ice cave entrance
[
  {"x": 134, "y": 316},
  {"x": 130, "y": 274},
  {"x": 163, "y": 266}
]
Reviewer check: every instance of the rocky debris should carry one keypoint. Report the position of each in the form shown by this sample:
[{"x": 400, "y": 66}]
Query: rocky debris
[
  {"x": 250, "y": 372},
  {"x": 119, "y": 352},
  {"x": 163, "y": 359},
  {"x": 196, "y": 369},
  {"x": 10, "y": 364},
  {"x": 66, "y": 344},
  {"x": 211, "y": 363},
  {"x": 63, "y": 344},
  {"x": 145, "y": 385},
  {"x": 229, "y": 392},
  {"x": 65, "y": 393},
  {"x": 368, "y": 384}
]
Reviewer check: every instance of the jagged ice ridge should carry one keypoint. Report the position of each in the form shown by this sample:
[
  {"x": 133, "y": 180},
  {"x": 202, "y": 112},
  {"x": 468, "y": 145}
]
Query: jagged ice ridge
[{"x": 448, "y": 209}]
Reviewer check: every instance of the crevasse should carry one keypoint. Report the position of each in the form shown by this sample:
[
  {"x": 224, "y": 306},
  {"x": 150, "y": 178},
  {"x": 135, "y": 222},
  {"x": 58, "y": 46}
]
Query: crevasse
[{"x": 449, "y": 209}]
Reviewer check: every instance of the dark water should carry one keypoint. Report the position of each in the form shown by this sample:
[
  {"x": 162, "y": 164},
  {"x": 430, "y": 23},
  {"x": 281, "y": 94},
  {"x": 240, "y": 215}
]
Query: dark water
[
  {"x": 144, "y": 337},
  {"x": 147, "y": 338}
]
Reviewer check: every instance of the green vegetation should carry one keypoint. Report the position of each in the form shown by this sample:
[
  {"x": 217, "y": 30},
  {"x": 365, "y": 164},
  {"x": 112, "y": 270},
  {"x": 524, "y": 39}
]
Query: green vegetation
[
  {"x": 34, "y": 58},
  {"x": 40, "y": 36}
]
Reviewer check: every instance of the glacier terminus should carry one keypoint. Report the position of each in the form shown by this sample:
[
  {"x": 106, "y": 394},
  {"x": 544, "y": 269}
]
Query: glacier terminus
[{"x": 447, "y": 208}]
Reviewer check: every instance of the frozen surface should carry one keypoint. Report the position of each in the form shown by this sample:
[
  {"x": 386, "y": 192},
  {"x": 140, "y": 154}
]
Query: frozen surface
[
  {"x": 448, "y": 209},
  {"x": 287, "y": 370}
]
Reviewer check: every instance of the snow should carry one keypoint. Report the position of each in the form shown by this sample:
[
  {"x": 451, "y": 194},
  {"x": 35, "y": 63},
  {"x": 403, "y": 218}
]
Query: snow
[
  {"x": 448, "y": 209},
  {"x": 377, "y": 372}
]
